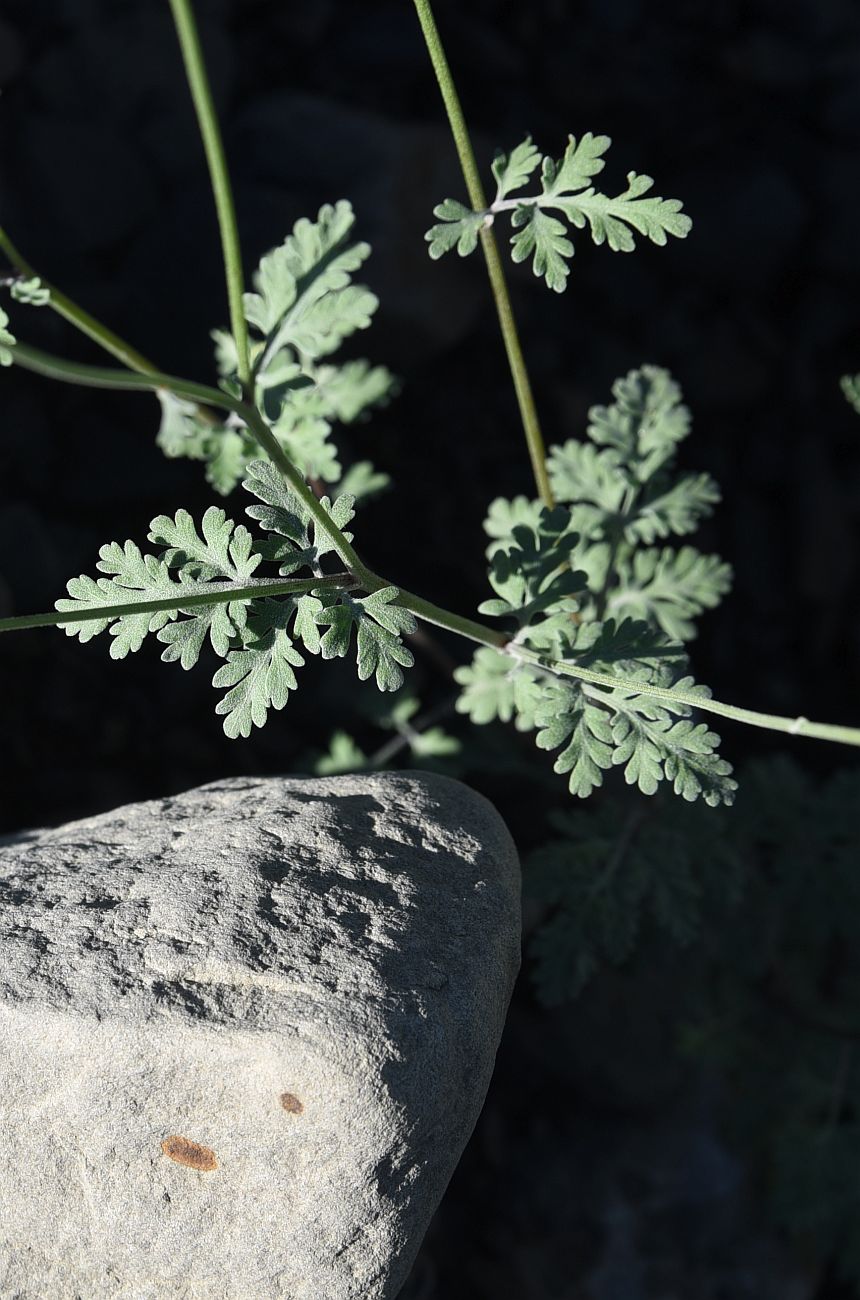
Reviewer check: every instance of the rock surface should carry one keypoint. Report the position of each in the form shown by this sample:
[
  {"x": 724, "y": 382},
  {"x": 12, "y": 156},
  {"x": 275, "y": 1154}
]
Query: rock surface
[{"x": 245, "y": 1034}]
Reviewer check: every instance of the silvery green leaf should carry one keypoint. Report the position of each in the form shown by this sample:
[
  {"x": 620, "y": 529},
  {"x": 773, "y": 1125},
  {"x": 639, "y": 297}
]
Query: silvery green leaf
[
  {"x": 458, "y": 228},
  {"x": 259, "y": 677},
  {"x": 379, "y": 624},
  {"x": 7, "y": 340},
  {"x": 222, "y": 549},
  {"x": 30, "y": 292},
  {"x": 543, "y": 239},
  {"x": 512, "y": 171}
]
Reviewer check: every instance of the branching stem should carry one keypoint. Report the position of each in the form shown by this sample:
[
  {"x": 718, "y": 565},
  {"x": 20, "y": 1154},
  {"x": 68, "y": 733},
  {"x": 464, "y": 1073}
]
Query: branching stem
[
  {"x": 195, "y": 595},
  {"x": 799, "y": 726},
  {"x": 495, "y": 270},
  {"x": 207, "y": 119},
  {"x": 365, "y": 578}
]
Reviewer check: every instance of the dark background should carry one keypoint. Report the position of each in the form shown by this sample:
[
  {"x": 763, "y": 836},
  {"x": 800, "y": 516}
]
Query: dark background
[{"x": 748, "y": 112}]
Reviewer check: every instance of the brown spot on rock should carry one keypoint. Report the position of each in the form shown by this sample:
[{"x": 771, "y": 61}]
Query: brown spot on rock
[
  {"x": 192, "y": 1154},
  {"x": 290, "y": 1102}
]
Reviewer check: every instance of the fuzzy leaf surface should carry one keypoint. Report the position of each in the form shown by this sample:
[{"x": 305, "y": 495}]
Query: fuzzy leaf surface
[
  {"x": 133, "y": 576},
  {"x": 379, "y": 623},
  {"x": 513, "y": 170},
  {"x": 670, "y": 588},
  {"x": 260, "y": 675},
  {"x": 221, "y": 549},
  {"x": 566, "y": 189},
  {"x": 458, "y": 228}
]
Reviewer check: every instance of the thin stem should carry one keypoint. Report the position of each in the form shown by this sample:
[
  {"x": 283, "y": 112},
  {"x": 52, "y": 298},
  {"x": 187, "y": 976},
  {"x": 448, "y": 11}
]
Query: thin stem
[
  {"x": 799, "y": 726},
  {"x": 495, "y": 270},
  {"x": 267, "y": 440},
  {"x": 430, "y": 613},
  {"x": 77, "y": 315},
  {"x": 201, "y": 94},
  {"x": 214, "y": 593},
  {"x": 370, "y": 581},
  {"x": 149, "y": 381}
]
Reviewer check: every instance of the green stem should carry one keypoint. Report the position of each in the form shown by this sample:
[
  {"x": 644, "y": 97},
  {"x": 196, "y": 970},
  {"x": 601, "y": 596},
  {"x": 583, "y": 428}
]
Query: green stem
[
  {"x": 799, "y": 726},
  {"x": 77, "y": 315},
  {"x": 495, "y": 270},
  {"x": 214, "y": 593},
  {"x": 201, "y": 94},
  {"x": 148, "y": 381},
  {"x": 430, "y": 613},
  {"x": 365, "y": 577},
  {"x": 104, "y": 377}
]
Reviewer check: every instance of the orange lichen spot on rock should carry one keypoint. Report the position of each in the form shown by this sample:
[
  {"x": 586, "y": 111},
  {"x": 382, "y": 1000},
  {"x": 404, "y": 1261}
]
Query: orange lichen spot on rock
[
  {"x": 192, "y": 1154},
  {"x": 291, "y": 1103}
]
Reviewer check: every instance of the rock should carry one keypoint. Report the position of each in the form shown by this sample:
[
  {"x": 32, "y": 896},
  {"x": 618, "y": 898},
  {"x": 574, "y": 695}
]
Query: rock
[{"x": 246, "y": 1033}]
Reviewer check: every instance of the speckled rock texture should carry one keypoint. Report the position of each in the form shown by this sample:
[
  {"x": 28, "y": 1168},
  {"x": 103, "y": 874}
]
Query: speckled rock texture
[{"x": 245, "y": 1034}]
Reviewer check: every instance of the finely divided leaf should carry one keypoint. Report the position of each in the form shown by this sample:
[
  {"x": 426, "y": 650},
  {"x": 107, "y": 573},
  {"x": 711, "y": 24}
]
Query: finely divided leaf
[
  {"x": 628, "y": 647},
  {"x": 228, "y": 452},
  {"x": 7, "y": 340},
  {"x": 645, "y": 422},
  {"x": 379, "y": 624},
  {"x": 362, "y": 481},
  {"x": 319, "y": 326},
  {"x": 677, "y": 508},
  {"x": 582, "y": 159},
  {"x": 184, "y": 640},
  {"x": 281, "y": 511},
  {"x": 182, "y": 432},
  {"x": 512, "y": 171},
  {"x": 349, "y": 391},
  {"x": 609, "y": 218},
  {"x": 600, "y": 728},
  {"x": 225, "y": 549},
  {"x": 589, "y": 477},
  {"x": 670, "y": 588},
  {"x": 504, "y": 515},
  {"x": 566, "y": 187},
  {"x": 652, "y": 746},
  {"x": 30, "y": 292},
  {"x": 305, "y": 298},
  {"x": 567, "y": 717},
  {"x": 458, "y": 228},
  {"x": 543, "y": 239},
  {"x": 306, "y": 622},
  {"x": 260, "y": 676},
  {"x": 133, "y": 576},
  {"x": 284, "y": 513},
  {"x": 533, "y": 573},
  {"x": 488, "y": 686}
]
